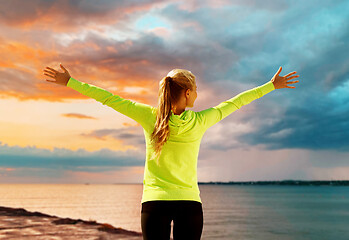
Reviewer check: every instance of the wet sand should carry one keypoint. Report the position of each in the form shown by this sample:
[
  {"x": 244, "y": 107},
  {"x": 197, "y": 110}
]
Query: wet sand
[{"x": 18, "y": 223}]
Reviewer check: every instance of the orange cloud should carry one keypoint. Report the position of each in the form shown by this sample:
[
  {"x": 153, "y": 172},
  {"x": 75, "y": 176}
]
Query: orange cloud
[
  {"x": 130, "y": 124},
  {"x": 28, "y": 82},
  {"x": 19, "y": 54},
  {"x": 30, "y": 134},
  {"x": 95, "y": 58},
  {"x": 7, "y": 169},
  {"x": 77, "y": 115},
  {"x": 56, "y": 15}
]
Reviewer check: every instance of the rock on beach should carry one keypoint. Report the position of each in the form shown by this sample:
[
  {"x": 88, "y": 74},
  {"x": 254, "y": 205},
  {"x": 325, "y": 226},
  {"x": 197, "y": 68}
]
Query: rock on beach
[{"x": 18, "y": 223}]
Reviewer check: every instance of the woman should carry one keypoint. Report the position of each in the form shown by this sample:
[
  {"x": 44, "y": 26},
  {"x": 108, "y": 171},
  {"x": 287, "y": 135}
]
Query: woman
[{"x": 173, "y": 136}]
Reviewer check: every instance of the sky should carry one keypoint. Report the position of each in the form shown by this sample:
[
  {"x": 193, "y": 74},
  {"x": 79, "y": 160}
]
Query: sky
[{"x": 52, "y": 134}]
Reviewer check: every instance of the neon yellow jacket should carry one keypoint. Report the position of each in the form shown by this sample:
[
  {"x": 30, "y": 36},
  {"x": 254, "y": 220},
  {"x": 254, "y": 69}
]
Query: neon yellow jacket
[{"x": 176, "y": 176}]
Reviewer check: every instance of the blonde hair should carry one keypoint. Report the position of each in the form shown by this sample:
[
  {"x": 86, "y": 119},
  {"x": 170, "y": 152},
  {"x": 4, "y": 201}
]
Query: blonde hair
[{"x": 171, "y": 87}]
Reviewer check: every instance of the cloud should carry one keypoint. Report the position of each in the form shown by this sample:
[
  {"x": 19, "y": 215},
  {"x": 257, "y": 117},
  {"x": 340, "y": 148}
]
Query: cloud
[
  {"x": 131, "y": 135},
  {"x": 58, "y": 14},
  {"x": 316, "y": 122},
  {"x": 17, "y": 83},
  {"x": 77, "y": 115},
  {"x": 231, "y": 46},
  {"x": 65, "y": 159}
]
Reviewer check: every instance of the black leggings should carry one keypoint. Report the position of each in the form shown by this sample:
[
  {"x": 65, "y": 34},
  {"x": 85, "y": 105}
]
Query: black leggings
[{"x": 156, "y": 218}]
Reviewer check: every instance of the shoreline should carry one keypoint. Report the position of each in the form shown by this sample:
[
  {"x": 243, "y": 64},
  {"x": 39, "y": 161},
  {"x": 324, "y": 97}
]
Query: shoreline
[{"x": 18, "y": 222}]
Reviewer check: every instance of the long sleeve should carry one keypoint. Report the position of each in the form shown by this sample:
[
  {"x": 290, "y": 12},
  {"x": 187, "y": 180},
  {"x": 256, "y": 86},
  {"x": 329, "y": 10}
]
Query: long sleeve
[
  {"x": 215, "y": 114},
  {"x": 139, "y": 112}
]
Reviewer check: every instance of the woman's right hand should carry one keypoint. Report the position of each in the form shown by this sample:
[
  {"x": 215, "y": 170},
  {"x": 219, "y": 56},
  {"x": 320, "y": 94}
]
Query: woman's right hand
[
  {"x": 61, "y": 78},
  {"x": 281, "y": 82}
]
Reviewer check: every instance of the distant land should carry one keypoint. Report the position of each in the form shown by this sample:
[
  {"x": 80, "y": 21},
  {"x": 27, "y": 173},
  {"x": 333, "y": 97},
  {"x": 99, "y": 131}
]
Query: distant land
[{"x": 285, "y": 182}]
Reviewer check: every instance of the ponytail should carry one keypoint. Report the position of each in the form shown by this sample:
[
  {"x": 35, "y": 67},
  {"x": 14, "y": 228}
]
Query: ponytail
[
  {"x": 170, "y": 90},
  {"x": 161, "y": 131}
]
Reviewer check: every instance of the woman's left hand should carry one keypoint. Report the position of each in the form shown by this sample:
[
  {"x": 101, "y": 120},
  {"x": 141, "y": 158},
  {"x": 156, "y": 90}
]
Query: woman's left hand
[{"x": 61, "y": 78}]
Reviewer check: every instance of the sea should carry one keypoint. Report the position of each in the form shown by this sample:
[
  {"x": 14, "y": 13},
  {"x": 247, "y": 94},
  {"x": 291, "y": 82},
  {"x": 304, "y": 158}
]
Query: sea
[{"x": 236, "y": 212}]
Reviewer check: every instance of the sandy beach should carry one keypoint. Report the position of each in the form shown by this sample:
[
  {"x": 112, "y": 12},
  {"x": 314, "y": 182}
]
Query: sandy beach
[{"x": 18, "y": 223}]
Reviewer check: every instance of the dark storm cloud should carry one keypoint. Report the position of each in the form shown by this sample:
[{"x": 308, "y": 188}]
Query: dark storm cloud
[
  {"x": 313, "y": 126},
  {"x": 67, "y": 13}
]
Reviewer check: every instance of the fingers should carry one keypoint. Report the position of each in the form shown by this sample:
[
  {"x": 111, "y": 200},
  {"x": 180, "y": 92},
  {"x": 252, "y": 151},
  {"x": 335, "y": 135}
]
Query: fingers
[
  {"x": 292, "y": 82},
  {"x": 292, "y": 77},
  {"x": 280, "y": 68},
  {"x": 50, "y": 74},
  {"x": 65, "y": 70},
  {"x": 291, "y": 74},
  {"x": 52, "y": 69}
]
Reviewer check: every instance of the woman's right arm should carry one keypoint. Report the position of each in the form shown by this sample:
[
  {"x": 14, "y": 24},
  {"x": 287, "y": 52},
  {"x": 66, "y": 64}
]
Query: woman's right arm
[{"x": 215, "y": 114}]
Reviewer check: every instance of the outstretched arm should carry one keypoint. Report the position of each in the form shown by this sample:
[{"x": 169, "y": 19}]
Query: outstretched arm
[
  {"x": 215, "y": 114},
  {"x": 139, "y": 112}
]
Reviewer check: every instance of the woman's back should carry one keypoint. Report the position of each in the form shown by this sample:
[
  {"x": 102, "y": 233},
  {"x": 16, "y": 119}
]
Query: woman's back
[{"x": 175, "y": 178}]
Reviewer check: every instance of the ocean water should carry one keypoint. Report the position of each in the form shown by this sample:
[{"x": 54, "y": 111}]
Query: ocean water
[{"x": 230, "y": 211}]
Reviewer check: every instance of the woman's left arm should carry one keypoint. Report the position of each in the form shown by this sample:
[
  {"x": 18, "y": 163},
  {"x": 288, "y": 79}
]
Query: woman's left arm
[{"x": 139, "y": 112}]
